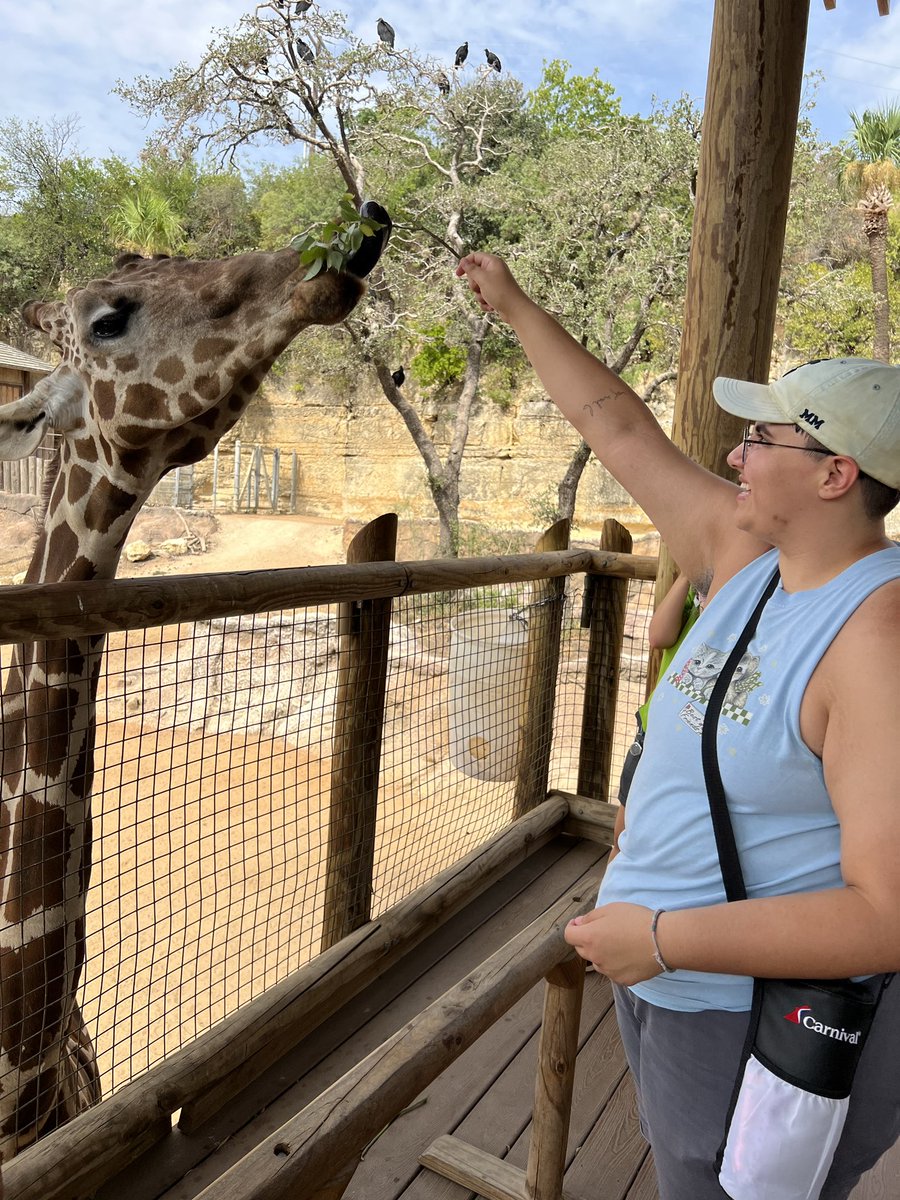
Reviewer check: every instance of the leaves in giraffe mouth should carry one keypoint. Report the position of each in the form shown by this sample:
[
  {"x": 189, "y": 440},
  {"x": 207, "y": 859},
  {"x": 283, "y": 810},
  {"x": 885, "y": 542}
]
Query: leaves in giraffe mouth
[{"x": 353, "y": 242}]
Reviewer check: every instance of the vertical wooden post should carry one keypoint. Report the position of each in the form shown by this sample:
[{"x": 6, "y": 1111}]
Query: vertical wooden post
[
  {"x": 743, "y": 184},
  {"x": 215, "y": 476},
  {"x": 555, "y": 1079},
  {"x": 607, "y": 622},
  {"x": 237, "y": 474},
  {"x": 544, "y": 626},
  {"x": 294, "y": 474},
  {"x": 364, "y": 629},
  {"x": 276, "y": 480}
]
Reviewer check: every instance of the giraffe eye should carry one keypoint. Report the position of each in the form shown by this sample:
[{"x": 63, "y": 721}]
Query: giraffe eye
[{"x": 111, "y": 324}]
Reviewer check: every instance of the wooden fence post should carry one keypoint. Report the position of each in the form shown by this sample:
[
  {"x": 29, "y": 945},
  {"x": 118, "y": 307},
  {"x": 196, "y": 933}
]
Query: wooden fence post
[
  {"x": 607, "y": 601},
  {"x": 364, "y": 629},
  {"x": 555, "y": 1080},
  {"x": 536, "y": 730}
]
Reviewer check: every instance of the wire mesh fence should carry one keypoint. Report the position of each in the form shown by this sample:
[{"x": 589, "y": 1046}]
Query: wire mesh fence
[{"x": 216, "y": 779}]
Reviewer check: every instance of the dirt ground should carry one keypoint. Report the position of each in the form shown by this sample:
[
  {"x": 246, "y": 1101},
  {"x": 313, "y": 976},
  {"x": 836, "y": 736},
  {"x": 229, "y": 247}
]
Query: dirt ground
[{"x": 190, "y": 543}]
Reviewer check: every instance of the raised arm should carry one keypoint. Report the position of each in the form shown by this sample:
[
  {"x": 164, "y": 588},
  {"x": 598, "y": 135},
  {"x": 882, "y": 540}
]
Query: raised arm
[{"x": 691, "y": 507}]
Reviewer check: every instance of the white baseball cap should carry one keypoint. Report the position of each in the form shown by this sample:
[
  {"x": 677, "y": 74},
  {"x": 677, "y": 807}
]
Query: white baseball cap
[{"x": 850, "y": 405}]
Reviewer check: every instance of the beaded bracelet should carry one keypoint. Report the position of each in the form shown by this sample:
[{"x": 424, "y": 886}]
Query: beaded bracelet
[{"x": 657, "y": 953}]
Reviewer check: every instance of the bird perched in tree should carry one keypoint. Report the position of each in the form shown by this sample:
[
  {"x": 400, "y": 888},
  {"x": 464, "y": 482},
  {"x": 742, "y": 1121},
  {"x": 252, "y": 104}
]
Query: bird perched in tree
[
  {"x": 385, "y": 32},
  {"x": 304, "y": 51},
  {"x": 301, "y": 7},
  {"x": 263, "y": 64},
  {"x": 493, "y": 60},
  {"x": 443, "y": 83},
  {"x": 461, "y": 54},
  {"x": 398, "y": 377}
]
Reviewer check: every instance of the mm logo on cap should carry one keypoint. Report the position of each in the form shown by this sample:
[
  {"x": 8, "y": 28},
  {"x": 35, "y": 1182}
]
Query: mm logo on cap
[{"x": 812, "y": 419}]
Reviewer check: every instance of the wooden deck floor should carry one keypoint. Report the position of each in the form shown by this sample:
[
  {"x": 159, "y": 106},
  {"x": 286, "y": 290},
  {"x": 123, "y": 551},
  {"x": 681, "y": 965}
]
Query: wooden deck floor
[{"x": 485, "y": 1098}]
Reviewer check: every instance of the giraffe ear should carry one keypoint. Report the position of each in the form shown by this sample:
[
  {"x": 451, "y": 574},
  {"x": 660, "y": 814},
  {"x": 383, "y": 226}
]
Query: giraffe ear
[
  {"x": 55, "y": 402},
  {"x": 47, "y": 316}
]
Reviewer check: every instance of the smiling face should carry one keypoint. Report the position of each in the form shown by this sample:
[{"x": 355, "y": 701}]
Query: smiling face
[{"x": 779, "y": 478}]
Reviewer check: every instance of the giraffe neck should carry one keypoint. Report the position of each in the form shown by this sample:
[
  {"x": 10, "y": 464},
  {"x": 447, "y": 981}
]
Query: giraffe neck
[{"x": 47, "y": 736}]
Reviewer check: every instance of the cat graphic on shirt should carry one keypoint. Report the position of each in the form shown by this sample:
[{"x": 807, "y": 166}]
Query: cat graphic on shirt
[{"x": 699, "y": 674}]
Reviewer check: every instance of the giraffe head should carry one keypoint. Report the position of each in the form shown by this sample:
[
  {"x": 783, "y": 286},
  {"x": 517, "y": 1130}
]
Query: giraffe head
[{"x": 159, "y": 359}]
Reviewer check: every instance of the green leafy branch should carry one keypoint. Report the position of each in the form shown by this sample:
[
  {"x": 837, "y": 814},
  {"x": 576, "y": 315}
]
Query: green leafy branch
[{"x": 329, "y": 246}]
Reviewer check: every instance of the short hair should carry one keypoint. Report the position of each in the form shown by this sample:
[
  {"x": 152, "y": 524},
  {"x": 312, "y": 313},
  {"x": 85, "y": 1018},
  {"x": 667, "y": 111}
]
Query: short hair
[{"x": 878, "y": 499}]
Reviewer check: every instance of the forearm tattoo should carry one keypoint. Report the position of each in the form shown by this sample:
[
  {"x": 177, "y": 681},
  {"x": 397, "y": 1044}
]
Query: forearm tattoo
[{"x": 595, "y": 407}]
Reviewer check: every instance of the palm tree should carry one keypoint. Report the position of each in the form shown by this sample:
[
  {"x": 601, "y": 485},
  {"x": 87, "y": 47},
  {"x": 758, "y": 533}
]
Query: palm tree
[
  {"x": 871, "y": 172},
  {"x": 145, "y": 222}
]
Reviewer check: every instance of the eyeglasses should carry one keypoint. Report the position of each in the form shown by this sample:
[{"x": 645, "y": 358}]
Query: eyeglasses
[{"x": 747, "y": 440}]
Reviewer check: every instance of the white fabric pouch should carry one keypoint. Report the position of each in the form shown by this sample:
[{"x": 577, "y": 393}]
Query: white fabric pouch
[{"x": 792, "y": 1092}]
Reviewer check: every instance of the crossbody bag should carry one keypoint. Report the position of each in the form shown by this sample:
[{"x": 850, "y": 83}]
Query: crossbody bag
[{"x": 805, "y": 1036}]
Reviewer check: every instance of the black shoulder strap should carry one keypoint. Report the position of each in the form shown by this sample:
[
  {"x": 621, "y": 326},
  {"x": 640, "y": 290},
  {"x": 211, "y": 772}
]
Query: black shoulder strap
[{"x": 718, "y": 806}]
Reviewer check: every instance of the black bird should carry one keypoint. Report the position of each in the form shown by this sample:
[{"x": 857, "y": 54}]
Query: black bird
[
  {"x": 493, "y": 60},
  {"x": 462, "y": 53},
  {"x": 443, "y": 83},
  {"x": 385, "y": 32},
  {"x": 263, "y": 64},
  {"x": 398, "y": 377},
  {"x": 304, "y": 52},
  {"x": 301, "y": 7}
]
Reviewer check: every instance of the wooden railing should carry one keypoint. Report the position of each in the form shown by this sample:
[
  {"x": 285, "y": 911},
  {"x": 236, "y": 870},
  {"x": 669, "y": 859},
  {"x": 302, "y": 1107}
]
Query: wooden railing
[{"x": 203, "y": 1076}]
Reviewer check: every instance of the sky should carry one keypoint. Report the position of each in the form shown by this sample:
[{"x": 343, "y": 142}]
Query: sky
[{"x": 63, "y": 59}]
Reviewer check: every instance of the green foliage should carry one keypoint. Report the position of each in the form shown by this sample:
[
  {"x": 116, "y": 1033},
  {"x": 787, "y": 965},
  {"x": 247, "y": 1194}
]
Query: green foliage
[
  {"x": 145, "y": 222},
  {"x": 330, "y": 245},
  {"x": 438, "y": 363},
  {"x": 571, "y": 106}
]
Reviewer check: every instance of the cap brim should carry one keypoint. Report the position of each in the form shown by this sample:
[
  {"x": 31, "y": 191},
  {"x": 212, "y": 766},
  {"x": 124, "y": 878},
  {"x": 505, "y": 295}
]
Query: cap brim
[{"x": 752, "y": 401}]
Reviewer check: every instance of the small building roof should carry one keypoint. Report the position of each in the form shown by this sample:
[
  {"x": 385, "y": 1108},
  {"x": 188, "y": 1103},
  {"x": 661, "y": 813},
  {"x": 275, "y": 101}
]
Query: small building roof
[{"x": 11, "y": 357}]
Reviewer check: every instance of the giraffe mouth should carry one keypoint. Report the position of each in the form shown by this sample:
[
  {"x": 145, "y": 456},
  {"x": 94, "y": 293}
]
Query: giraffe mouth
[{"x": 366, "y": 257}]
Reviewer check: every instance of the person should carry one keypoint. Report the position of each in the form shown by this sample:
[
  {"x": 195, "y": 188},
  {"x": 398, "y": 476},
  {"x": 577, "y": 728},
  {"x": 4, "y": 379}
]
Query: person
[
  {"x": 669, "y": 625},
  {"x": 806, "y": 740}
]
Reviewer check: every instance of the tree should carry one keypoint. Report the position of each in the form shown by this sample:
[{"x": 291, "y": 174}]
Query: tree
[
  {"x": 387, "y": 126},
  {"x": 145, "y": 222},
  {"x": 602, "y": 228},
  {"x": 871, "y": 173}
]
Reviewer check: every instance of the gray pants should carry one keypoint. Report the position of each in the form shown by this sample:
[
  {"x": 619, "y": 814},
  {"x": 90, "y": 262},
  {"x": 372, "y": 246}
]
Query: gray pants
[{"x": 685, "y": 1065}]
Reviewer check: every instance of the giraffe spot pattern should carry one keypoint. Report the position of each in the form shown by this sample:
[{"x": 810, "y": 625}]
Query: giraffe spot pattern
[
  {"x": 106, "y": 504},
  {"x": 144, "y": 399},
  {"x": 170, "y": 369},
  {"x": 78, "y": 485},
  {"x": 210, "y": 348},
  {"x": 104, "y": 392}
]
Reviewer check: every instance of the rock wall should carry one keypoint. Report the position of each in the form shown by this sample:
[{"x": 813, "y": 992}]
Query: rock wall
[{"x": 357, "y": 459}]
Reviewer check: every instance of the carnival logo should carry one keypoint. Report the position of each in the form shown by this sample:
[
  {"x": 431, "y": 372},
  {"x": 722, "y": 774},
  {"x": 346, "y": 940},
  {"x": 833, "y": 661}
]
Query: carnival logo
[
  {"x": 803, "y": 1015},
  {"x": 798, "y": 1014}
]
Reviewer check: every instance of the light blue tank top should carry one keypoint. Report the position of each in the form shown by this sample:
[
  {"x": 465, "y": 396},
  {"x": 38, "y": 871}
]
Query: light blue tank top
[{"x": 787, "y": 832}]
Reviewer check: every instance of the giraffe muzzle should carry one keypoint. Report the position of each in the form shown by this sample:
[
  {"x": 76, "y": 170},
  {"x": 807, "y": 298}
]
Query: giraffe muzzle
[{"x": 366, "y": 257}]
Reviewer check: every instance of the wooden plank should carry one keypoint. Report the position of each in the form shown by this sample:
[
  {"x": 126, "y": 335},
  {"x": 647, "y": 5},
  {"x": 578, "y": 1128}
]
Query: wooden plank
[
  {"x": 601, "y": 683},
  {"x": 472, "y": 1168},
  {"x": 364, "y": 632},
  {"x": 500, "y": 1122},
  {"x": 645, "y": 1186},
  {"x": 345, "y": 1117},
  {"x": 345, "y": 1039},
  {"x": 37, "y": 611},
  {"x": 613, "y": 1151},
  {"x": 592, "y": 820},
  {"x": 199, "y": 1078},
  {"x": 545, "y": 613},
  {"x": 392, "y": 999}
]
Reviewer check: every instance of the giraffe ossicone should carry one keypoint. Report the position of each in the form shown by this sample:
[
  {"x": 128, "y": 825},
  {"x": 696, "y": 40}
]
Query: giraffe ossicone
[{"x": 159, "y": 360}]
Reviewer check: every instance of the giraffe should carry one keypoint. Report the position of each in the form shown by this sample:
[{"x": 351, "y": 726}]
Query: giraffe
[{"x": 159, "y": 360}]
